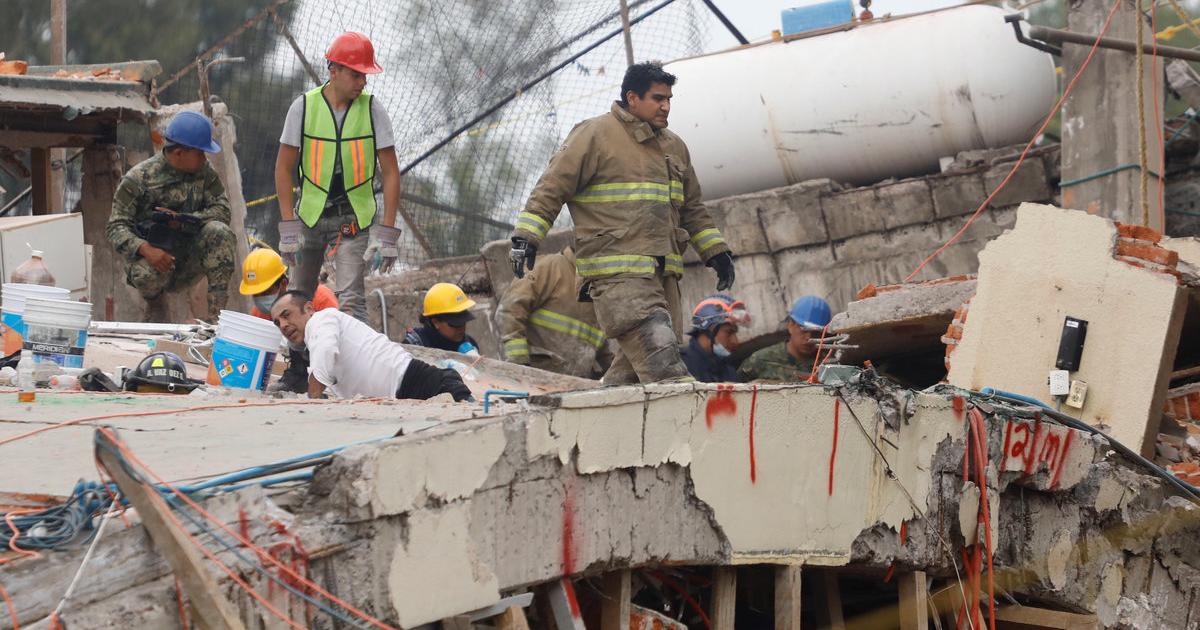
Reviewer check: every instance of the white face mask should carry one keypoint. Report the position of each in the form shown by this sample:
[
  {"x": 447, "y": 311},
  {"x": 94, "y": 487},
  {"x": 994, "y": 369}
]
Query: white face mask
[
  {"x": 720, "y": 350},
  {"x": 263, "y": 302}
]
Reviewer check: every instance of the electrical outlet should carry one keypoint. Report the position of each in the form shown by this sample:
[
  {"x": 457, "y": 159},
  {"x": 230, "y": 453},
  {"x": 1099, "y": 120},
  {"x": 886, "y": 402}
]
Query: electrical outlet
[
  {"x": 1078, "y": 394},
  {"x": 1060, "y": 382}
]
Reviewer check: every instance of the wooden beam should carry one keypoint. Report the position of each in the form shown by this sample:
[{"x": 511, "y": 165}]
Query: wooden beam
[
  {"x": 828, "y": 601},
  {"x": 914, "y": 595},
  {"x": 614, "y": 612},
  {"x": 210, "y": 607},
  {"x": 1027, "y": 617},
  {"x": 512, "y": 619},
  {"x": 461, "y": 622},
  {"x": 41, "y": 182},
  {"x": 724, "y": 598},
  {"x": 787, "y": 597}
]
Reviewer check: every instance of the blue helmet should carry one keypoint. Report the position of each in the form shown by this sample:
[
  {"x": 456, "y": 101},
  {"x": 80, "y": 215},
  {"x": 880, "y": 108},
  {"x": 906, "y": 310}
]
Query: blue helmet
[
  {"x": 718, "y": 309},
  {"x": 194, "y": 130},
  {"x": 811, "y": 312}
]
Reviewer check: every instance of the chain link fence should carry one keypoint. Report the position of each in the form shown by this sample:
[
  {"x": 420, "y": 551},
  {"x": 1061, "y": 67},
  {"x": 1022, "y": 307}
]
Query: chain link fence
[{"x": 480, "y": 94}]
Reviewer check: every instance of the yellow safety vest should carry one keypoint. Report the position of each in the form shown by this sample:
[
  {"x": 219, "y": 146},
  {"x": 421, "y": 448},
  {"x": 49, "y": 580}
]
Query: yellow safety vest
[{"x": 324, "y": 145}]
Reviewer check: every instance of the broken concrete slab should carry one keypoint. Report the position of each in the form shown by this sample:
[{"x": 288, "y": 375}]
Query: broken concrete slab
[
  {"x": 900, "y": 319},
  {"x": 1031, "y": 278}
]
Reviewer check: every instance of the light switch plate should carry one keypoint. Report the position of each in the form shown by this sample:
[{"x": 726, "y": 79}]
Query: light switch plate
[
  {"x": 1078, "y": 394},
  {"x": 1060, "y": 382}
]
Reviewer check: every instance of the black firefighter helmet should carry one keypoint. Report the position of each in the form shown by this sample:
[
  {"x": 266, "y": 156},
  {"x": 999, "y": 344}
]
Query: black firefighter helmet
[{"x": 160, "y": 372}]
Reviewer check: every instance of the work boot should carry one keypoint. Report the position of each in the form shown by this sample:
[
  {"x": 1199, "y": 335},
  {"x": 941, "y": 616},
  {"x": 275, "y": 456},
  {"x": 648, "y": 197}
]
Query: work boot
[
  {"x": 216, "y": 302},
  {"x": 156, "y": 310}
]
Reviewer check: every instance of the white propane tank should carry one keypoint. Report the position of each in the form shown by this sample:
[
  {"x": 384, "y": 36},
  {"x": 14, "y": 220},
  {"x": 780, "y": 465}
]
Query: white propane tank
[{"x": 884, "y": 99}]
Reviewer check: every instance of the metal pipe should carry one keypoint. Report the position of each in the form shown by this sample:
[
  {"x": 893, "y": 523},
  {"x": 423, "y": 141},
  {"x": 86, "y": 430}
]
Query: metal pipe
[
  {"x": 1060, "y": 36},
  {"x": 733, "y": 30},
  {"x": 628, "y": 36},
  {"x": 528, "y": 86},
  {"x": 382, "y": 310}
]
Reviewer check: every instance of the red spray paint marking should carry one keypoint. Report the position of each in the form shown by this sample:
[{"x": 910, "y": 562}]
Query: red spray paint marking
[
  {"x": 572, "y": 601},
  {"x": 1062, "y": 458},
  {"x": 753, "y": 404},
  {"x": 568, "y": 531},
  {"x": 720, "y": 404},
  {"x": 959, "y": 405},
  {"x": 903, "y": 532},
  {"x": 837, "y": 406},
  {"x": 887, "y": 577}
]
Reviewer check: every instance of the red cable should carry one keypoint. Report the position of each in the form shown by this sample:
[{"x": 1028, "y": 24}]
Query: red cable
[
  {"x": 158, "y": 412},
  {"x": 981, "y": 465},
  {"x": 686, "y": 597},
  {"x": 1028, "y": 147},
  {"x": 242, "y": 539},
  {"x": 812, "y": 375},
  {"x": 183, "y": 620},
  {"x": 12, "y": 610},
  {"x": 212, "y": 557}
]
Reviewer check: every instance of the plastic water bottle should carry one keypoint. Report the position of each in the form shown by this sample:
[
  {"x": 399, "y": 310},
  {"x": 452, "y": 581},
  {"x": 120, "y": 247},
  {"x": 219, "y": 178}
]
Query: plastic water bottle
[
  {"x": 33, "y": 270},
  {"x": 27, "y": 390}
]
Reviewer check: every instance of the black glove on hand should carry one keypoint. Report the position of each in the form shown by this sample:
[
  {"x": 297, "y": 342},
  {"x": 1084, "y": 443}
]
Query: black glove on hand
[
  {"x": 723, "y": 264},
  {"x": 423, "y": 381},
  {"x": 522, "y": 255}
]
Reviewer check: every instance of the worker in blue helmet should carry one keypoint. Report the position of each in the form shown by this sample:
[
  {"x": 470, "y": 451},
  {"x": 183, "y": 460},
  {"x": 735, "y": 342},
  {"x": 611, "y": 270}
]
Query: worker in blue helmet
[
  {"x": 714, "y": 335},
  {"x": 170, "y": 220},
  {"x": 791, "y": 360}
]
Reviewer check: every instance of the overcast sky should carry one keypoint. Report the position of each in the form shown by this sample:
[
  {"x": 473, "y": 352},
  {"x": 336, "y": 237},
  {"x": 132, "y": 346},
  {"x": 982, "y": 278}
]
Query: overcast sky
[{"x": 757, "y": 18}]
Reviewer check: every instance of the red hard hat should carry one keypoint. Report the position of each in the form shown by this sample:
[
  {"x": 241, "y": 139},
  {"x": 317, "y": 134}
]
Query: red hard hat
[{"x": 354, "y": 51}]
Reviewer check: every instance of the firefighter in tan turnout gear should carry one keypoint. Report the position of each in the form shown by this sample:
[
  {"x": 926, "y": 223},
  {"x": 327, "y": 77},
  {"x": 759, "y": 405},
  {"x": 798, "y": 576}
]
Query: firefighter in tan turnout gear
[
  {"x": 542, "y": 323},
  {"x": 629, "y": 185}
]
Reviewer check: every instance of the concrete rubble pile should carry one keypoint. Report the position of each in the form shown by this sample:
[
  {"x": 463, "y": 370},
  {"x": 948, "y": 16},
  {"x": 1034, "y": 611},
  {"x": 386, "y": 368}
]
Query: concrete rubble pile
[{"x": 883, "y": 479}]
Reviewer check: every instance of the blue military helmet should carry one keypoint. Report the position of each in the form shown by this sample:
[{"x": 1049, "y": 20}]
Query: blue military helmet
[
  {"x": 192, "y": 129},
  {"x": 718, "y": 309},
  {"x": 811, "y": 312}
]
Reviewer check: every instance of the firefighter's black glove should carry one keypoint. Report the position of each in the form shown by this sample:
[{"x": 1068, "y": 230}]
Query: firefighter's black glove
[
  {"x": 723, "y": 264},
  {"x": 522, "y": 255}
]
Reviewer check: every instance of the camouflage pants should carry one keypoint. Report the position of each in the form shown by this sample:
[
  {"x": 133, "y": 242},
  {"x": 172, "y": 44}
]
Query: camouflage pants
[
  {"x": 643, "y": 315},
  {"x": 210, "y": 253}
]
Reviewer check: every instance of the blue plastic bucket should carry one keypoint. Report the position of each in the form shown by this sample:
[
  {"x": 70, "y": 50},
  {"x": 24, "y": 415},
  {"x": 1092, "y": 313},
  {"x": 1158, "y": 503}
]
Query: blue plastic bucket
[{"x": 243, "y": 352}]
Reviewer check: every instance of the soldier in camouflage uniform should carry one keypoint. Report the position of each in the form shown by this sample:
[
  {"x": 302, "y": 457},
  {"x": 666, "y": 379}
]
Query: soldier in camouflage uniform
[
  {"x": 180, "y": 190},
  {"x": 792, "y": 360}
]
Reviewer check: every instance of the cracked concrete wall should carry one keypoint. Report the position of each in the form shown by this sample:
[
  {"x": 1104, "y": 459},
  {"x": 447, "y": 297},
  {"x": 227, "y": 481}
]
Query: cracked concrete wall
[
  {"x": 447, "y": 520},
  {"x": 1057, "y": 263},
  {"x": 615, "y": 477}
]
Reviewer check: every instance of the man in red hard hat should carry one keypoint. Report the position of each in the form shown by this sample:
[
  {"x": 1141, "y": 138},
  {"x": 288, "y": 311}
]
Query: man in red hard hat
[{"x": 334, "y": 137}]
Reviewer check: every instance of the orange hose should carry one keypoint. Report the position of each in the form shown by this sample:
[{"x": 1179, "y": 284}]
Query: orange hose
[
  {"x": 981, "y": 465},
  {"x": 12, "y": 610},
  {"x": 242, "y": 539}
]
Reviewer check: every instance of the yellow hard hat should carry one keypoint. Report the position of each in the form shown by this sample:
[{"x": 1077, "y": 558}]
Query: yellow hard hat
[
  {"x": 260, "y": 270},
  {"x": 444, "y": 298}
]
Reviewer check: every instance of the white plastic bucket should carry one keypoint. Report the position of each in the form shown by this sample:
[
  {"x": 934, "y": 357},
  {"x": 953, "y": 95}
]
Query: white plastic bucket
[
  {"x": 12, "y": 310},
  {"x": 243, "y": 352},
  {"x": 56, "y": 330}
]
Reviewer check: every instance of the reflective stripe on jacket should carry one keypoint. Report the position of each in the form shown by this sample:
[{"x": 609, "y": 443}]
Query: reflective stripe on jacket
[
  {"x": 541, "y": 315},
  {"x": 632, "y": 194},
  {"x": 323, "y": 146}
]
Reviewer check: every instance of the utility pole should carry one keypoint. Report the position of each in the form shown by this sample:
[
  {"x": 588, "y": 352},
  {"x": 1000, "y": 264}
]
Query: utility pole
[
  {"x": 1103, "y": 122},
  {"x": 58, "y": 57},
  {"x": 628, "y": 34}
]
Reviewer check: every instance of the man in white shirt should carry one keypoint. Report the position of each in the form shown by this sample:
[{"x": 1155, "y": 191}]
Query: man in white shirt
[{"x": 348, "y": 358}]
